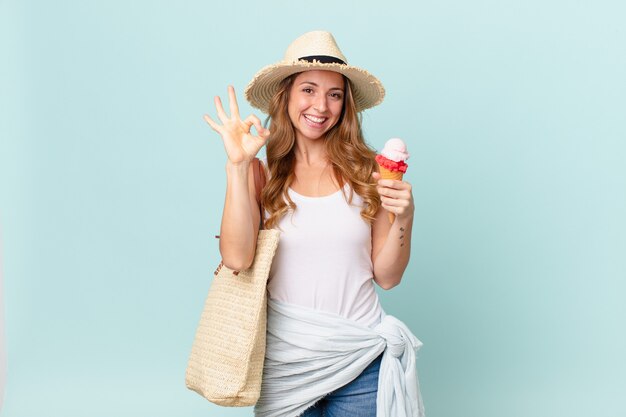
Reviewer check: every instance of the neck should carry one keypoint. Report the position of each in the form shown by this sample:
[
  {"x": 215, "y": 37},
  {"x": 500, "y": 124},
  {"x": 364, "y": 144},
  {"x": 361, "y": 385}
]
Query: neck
[{"x": 311, "y": 152}]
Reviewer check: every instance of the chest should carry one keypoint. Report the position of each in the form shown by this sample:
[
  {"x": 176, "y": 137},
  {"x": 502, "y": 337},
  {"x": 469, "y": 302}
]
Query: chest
[
  {"x": 314, "y": 181},
  {"x": 325, "y": 222}
]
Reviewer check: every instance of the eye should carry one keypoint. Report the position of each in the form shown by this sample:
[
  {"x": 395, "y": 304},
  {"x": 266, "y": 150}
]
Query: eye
[
  {"x": 307, "y": 90},
  {"x": 336, "y": 96}
]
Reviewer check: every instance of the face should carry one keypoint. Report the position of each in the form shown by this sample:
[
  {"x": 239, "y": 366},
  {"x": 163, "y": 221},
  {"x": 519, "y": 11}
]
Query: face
[{"x": 315, "y": 103}]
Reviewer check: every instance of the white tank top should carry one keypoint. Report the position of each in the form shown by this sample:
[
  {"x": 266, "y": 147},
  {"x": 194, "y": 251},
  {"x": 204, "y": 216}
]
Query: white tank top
[{"x": 323, "y": 260}]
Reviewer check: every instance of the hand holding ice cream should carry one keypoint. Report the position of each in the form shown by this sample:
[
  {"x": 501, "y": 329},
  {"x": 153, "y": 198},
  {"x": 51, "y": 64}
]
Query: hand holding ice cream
[{"x": 392, "y": 165}]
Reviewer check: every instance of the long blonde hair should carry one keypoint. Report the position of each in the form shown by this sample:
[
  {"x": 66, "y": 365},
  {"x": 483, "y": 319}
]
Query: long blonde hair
[{"x": 352, "y": 160}]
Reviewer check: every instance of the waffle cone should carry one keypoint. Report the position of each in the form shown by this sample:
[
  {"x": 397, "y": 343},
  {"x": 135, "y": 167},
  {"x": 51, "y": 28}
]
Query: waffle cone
[{"x": 387, "y": 174}]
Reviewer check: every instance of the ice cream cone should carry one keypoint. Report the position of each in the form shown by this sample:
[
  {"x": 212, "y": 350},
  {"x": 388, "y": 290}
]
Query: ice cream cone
[
  {"x": 391, "y": 163},
  {"x": 387, "y": 174}
]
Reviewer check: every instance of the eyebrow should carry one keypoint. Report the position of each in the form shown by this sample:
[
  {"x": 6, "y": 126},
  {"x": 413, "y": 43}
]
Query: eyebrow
[{"x": 314, "y": 84}]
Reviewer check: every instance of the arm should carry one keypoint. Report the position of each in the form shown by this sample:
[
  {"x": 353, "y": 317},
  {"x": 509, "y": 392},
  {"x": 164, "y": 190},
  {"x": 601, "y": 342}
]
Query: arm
[
  {"x": 391, "y": 243},
  {"x": 240, "y": 219}
]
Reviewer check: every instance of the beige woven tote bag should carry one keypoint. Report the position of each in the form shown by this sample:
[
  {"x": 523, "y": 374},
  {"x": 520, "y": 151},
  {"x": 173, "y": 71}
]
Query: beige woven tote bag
[{"x": 226, "y": 361}]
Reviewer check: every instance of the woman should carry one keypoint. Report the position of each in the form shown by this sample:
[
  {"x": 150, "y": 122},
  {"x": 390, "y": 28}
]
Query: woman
[{"x": 331, "y": 350}]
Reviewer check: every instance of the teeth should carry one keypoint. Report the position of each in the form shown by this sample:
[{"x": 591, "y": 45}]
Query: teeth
[{"x": 315, "y": 119}]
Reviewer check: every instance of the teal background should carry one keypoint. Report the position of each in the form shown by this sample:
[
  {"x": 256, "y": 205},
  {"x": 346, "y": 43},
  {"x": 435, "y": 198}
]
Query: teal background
[{"x": 111, "y": 189}]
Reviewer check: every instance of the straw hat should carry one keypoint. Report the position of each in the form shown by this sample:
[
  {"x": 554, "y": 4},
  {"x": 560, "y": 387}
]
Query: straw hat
[{"x": 316, "y": 50}]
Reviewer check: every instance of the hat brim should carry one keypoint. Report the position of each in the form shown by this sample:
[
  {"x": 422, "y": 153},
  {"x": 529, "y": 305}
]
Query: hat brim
[{"x": 368, "y": 91}]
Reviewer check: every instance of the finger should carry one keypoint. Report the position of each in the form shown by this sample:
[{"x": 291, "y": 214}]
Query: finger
[
  {"x": 389, "y": 208},
  {"x": 376, "y": 176},
  {"x": 234, "y": 108},
  {"x": 394, "y": 202},
  {"x": 211, "y": 123},
  {"x": 395, "y": 184},
  {"x": 253, "y": 120},
  {"x": 220, "y": 110},
  {"x": 394, "y": 193}
]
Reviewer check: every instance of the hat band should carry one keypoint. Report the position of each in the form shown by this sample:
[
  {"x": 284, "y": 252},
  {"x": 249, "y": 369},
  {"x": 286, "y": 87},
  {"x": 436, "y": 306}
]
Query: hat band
[{"x": 324, "y": 59}]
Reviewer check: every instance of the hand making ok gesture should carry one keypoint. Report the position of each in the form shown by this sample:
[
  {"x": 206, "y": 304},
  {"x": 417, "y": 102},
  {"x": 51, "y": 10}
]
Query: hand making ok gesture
[{"x": 240, "y": 144}]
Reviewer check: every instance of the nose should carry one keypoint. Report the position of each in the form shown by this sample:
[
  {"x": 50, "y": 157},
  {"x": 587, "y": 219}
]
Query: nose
[{"x": 320, "y": 104}]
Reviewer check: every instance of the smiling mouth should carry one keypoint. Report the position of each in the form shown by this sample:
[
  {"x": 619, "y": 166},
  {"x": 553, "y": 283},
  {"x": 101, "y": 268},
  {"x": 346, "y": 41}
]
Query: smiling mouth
[{"x": 314, "y": 120}]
